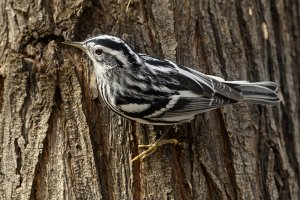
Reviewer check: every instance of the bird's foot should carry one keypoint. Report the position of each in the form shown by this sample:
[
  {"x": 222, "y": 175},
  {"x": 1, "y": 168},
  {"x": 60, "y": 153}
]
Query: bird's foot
[{"x": 151, "y": 148}]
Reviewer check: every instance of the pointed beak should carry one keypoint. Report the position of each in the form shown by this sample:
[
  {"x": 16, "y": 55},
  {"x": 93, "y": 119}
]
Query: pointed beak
[{"x": 76, "y": 44}]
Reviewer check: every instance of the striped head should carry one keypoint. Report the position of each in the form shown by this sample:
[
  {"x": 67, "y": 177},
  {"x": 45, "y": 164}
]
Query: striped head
[{"x": 108, "y": 52}]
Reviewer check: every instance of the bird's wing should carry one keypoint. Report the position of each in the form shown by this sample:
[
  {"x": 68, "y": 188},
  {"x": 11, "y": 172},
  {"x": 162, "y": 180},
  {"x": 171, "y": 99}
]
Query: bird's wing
[
  {"x": 218, "y": 85},
  {"x": 187, "y": 79},
  {"x": 192, "y": 79},
  {"x": 186, "y": 105},
  {"x": 192, "y": 93}
]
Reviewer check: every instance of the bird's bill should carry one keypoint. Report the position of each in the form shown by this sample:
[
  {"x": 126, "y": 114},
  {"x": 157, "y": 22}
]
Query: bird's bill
[{"x": 75, "y": 44}]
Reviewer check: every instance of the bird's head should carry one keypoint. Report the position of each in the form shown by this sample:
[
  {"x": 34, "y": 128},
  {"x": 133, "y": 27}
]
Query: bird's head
[{"x": 108, "y": 52}]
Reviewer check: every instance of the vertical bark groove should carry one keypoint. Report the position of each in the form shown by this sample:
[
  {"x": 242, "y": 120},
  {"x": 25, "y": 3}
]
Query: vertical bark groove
[
  {"x": 2, "y": 81},
  {"x": 218, "y": 42}
]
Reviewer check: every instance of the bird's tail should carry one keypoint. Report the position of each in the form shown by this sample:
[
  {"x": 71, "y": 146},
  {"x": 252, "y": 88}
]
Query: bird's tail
[{"x": 256, "y": 92}]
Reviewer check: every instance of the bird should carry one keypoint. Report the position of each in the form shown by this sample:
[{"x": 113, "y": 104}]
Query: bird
[{"x": 155, "y": 91}]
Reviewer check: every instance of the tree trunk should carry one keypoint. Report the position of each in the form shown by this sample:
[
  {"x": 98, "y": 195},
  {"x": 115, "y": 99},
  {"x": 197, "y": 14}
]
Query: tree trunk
[{"x": 59, "y": 141}]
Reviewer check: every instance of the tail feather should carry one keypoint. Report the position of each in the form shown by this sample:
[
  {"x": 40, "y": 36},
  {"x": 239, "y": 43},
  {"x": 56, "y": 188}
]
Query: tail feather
[{"x": 257, "y": 92}]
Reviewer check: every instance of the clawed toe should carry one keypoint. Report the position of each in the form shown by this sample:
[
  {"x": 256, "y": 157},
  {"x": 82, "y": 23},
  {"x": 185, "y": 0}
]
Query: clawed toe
[{"x": 151, "y": 148}]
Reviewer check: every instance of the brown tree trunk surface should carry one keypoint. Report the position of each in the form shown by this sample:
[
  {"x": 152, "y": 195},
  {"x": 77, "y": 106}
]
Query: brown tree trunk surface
[{"x": 59, "y": 141}]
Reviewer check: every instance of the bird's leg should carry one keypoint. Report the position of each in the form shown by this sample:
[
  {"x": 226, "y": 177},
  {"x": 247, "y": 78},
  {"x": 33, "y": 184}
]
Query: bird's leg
[{"x": 151, "y": 148}]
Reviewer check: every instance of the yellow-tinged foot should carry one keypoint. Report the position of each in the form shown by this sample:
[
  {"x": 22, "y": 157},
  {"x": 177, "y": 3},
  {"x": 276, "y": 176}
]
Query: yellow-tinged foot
[{"x": 151, "y": 148}]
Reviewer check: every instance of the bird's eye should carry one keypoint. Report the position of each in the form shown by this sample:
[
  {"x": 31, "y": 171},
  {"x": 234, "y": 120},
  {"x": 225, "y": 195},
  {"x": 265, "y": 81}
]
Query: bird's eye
[{"x": 98, "y": 51}]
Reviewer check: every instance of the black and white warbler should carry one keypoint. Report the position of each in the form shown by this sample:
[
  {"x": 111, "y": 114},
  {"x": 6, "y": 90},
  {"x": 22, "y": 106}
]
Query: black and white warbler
[{"x": 158, "y": 91}]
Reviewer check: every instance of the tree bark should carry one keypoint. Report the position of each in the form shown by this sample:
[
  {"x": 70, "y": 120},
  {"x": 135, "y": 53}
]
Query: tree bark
[{"x": 59, "y": 141}]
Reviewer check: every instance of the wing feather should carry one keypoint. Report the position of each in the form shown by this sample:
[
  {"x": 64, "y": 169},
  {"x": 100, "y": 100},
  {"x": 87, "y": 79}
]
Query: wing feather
[
  {"x": 194, "y": 93},
  {"x": 189, "y": 106}
]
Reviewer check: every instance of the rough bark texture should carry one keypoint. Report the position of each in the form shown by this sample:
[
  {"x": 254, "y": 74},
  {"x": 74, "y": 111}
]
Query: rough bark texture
[{"x": 59, "y": 141}]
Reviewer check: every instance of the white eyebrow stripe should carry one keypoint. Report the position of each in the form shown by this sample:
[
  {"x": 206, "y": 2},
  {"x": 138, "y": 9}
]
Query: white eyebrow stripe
[{"x": 119, "y": 55}]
